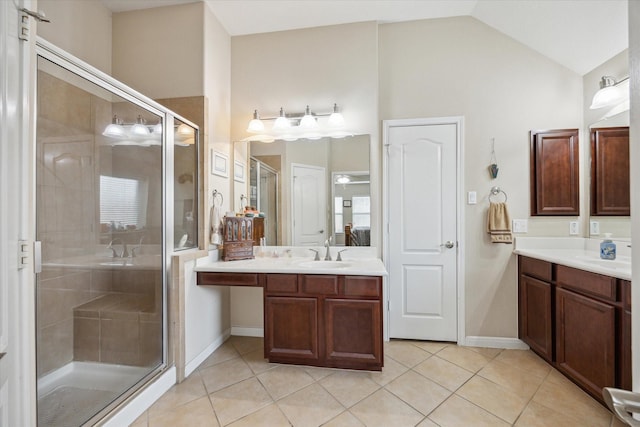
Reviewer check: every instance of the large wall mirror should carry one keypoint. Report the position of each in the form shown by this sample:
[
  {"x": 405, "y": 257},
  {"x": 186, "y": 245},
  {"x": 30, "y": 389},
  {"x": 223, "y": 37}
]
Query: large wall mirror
[
  {"x": 312, "y": 190},
  {"x": 613, "y": 219}
]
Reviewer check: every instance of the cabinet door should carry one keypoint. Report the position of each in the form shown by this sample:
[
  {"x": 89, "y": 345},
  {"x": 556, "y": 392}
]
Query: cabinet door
[
  {"x": 291, "y": 329},
  {"x": 585, "y": 334},
  {"x": 555, "y": 172},
  {"x": 535, "y": 316},
  {"x": 353, "y": 333},
  {"x": 610, "y": 171}
]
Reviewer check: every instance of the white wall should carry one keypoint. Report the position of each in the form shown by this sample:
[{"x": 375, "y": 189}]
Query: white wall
[
  {"x": 460, "y": 66},
  {"x": 80, "y": 27}
]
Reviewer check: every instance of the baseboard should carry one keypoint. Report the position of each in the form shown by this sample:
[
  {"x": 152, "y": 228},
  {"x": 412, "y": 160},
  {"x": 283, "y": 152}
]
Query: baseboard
[
  {"x": 196, "y": 361},
  {"x": 143, "y": 401},
  {"x": 247, "y": 332},
  {"x": 495, "y": 342}
]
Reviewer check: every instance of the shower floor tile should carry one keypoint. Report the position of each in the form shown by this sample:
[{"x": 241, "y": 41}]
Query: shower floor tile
[{"x": 70, "y": 406}]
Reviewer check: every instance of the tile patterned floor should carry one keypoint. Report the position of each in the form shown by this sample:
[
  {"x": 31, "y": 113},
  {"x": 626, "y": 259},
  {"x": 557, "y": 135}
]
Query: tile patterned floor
[{"x": 423, "y": 384}]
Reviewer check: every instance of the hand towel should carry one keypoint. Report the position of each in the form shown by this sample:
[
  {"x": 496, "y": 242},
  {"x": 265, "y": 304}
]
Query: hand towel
[
  {"x": 499, "y": 223},
  {"x": 214, "y": 225}
]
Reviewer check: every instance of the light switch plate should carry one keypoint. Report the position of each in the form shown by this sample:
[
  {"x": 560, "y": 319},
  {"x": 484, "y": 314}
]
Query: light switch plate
[
  {"x": 594, "y": 228},
  {"x": 574, "y": 228},
  {"x": 472, "y": 198},
  {"x": 519, "y": 226}
]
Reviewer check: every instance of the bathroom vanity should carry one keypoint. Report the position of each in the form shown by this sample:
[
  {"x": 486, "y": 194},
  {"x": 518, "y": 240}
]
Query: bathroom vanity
[
  {"x": 318, "y": 313},
  {"x": 575, "y": 311}
]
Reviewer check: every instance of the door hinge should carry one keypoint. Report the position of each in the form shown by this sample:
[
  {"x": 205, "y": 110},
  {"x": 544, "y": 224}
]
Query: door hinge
[
  {"x": 23, "y": 254},
  {"x": 23, "y": 25}
]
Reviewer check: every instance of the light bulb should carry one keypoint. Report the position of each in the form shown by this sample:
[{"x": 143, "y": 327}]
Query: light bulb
[
  {"x": 114, "y": 129},
  {"x": 308, "y": 122},
  {"x": 281, "y": 123},
  {"x": 139, "y": 129},
  {"x": 336, "y": 120}
]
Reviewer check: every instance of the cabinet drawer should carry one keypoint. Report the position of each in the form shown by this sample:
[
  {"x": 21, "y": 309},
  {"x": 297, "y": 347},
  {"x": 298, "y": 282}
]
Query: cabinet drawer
[
  {"x": 536, "y": 268},
  {"x": 281, "y": 283},
  {"x": 319, "y": 284},
  {"x": 227, "y": 279},
  {"x": 362, "y": 286},
  {"x": 585, "y": 281}
]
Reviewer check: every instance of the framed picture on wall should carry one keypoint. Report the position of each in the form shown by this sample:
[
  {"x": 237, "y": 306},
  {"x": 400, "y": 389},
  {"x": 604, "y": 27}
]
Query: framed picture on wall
[
  {"x": 219, "y": 164},
  {"x": 238, "y": 171}
]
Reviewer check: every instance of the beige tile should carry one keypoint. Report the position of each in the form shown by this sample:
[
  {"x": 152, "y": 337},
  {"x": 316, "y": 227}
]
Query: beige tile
[
  {"x": 141, "y": 421},
  {"x": 384, "y": 409},
  {"x": 422, "y": 394},
  {"x": 536, "y": 415},
  {"x": 284, "y": 380},
  {"x": 467, "y": 359},
  {"x": 525, "y": 360},
  {"x": 349, "y": 387},
  {"x": 270, "y": 416},
  {"x": 489, "y": 353},
  {"x": 345, "y": 419},
  {"x": 318, "y": 373},
  {"x": 197, "y": 413},
  {"x": 456, "y": 412},
  {"x": 574, "y": 402},
  {"x": 187, "y": 391},
  {"x": 256, "y": 361},
  {"x": 405, "y": 352},
  {"x": 245, "y": 345},
  {"x": 239, "y": 400},
  {"x": 427, "y": 423},
  {"x": 223, "y": 353},
  {"x": 509, "y": 376},
  {"x": 493, "y": 398},
  {"x": 444, "y": 373},
  {"x": 431, "y": 346},
  {"x": 390, "y": 371},
  {"x": 310, "y": 406},
  {"x": 225, "y": 374}
]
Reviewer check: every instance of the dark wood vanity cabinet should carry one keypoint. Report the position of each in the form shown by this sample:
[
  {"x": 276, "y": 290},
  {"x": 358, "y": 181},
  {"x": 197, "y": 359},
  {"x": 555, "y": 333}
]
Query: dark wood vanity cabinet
[
  {"x": 535, "y": 306},
  {"x": 578, "y": 321},
  {"x": 324, "y": 320},
  {"x": 555, "y": 172},
  {"x": 610, "y": 182}
]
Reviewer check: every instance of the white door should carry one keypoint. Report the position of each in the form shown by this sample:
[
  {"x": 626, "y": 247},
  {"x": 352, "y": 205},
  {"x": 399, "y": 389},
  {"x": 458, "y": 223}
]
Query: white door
[
  {"x": 421, "y": 245},
  {"x": 309, "y": 205},
  {"x": 17, "y": 332}
]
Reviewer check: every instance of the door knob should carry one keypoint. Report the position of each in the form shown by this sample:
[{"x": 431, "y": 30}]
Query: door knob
[
  {"x": 321, "y": 231},
  {"x": 448, "y": 244}
]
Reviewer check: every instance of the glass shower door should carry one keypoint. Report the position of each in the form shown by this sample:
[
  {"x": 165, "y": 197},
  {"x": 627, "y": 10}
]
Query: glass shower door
[{"x": 99, "y": 218}]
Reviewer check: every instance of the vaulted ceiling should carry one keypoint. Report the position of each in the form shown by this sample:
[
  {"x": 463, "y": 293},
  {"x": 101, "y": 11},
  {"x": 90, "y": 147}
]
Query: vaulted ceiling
[{"x": 580, "y": 34}]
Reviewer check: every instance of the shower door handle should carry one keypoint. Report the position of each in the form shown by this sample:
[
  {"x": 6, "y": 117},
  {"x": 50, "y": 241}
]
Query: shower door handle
[{"x": 37, "y": 257}]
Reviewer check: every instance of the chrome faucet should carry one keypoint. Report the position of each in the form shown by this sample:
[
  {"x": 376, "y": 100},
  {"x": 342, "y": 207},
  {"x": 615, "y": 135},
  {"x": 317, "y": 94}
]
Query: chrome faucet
[
  {"x": 327, "y": 244},
  {"x": 123, "y": 254},
  {"x": 136, "y": 248}
]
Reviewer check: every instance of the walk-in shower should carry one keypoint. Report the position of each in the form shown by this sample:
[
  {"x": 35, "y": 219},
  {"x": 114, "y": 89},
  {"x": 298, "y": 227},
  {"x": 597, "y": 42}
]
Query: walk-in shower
[{"x": 104, "y": 211}]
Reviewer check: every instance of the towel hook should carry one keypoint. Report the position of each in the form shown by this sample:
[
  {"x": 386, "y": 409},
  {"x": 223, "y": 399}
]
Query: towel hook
[{"x": 496, "y": 191}]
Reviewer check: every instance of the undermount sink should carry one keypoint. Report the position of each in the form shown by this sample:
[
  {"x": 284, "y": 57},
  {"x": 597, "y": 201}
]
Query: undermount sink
[{"x": 325, "y": 264}]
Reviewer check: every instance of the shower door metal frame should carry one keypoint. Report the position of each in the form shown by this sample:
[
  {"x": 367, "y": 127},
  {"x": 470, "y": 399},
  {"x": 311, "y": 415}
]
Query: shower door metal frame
[{"x": 63, "y": 59}]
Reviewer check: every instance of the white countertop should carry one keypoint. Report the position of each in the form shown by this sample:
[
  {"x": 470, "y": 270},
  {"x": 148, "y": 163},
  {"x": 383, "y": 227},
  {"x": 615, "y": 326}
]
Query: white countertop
[
  {"x": 577, "y": 253},
  {"x": 355, "y": 263}
]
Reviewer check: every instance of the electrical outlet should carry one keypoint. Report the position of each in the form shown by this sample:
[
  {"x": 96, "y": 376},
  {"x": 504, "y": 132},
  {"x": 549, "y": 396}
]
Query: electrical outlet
[
  {"x": 574, "y": 228},
  {"x": 519, "y": 226},
  {"x": 594, "y": 228}
]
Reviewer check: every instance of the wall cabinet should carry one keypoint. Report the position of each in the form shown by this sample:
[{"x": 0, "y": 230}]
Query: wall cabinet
[
  {"x": 578, "y": 321},
  {"x": 610, "y": 172},
  {"x": 555, "y": 172}
]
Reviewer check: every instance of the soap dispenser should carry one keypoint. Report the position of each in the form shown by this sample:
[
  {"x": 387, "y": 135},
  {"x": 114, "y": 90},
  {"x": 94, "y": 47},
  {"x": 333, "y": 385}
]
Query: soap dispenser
[{"x": 607, "y": 247}]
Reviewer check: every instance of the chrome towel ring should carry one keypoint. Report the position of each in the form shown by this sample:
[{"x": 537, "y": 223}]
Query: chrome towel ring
[{"x": 495, "y": 191}]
